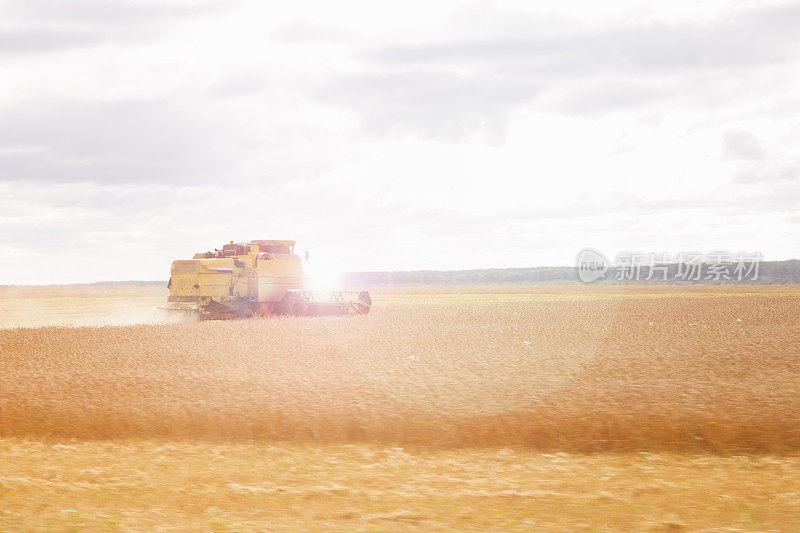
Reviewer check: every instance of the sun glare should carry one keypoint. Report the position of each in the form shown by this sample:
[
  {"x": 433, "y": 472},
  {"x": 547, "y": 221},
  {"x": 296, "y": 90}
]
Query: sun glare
[{"x": 320, "y": 278}]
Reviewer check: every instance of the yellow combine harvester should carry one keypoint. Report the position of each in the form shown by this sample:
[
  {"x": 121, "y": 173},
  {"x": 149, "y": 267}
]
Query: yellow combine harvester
[{"x": 261, "y": 277}]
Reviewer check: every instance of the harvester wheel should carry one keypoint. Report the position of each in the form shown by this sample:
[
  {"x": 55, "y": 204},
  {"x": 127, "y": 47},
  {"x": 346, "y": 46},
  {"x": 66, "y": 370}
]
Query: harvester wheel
[
  {"x": 364, "y": 302},
  {"x": 292, "y": 304}
]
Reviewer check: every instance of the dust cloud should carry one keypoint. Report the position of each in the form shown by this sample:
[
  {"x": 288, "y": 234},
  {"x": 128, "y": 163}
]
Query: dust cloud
[{"x": 75, "y": 306}]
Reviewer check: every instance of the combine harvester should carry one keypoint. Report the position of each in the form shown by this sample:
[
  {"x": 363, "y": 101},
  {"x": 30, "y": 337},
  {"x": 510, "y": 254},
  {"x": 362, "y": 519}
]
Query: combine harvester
[{"x": 262, "y": 277}]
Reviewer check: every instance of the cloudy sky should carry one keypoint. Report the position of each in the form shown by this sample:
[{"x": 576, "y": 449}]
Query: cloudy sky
[{"x": 389, "y": 136}]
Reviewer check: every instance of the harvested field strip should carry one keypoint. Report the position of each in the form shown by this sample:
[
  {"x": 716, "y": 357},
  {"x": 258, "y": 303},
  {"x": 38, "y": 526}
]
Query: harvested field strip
[{"x": 145, "y": 485}]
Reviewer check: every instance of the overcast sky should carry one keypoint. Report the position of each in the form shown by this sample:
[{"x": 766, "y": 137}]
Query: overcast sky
[{"x": 393, "y": 136}]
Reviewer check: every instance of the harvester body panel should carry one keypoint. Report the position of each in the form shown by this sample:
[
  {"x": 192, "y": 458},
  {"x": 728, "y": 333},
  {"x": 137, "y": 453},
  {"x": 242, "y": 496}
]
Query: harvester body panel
[{"x": 276, "y": 274}]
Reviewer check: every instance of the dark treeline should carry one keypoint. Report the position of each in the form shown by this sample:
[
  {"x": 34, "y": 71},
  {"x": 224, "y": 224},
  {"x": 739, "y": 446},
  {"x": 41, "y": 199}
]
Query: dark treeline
[{"x": 769, "y": 273}]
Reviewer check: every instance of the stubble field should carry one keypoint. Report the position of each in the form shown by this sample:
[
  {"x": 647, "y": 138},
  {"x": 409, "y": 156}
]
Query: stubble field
[{"x": 466, "y": 408}]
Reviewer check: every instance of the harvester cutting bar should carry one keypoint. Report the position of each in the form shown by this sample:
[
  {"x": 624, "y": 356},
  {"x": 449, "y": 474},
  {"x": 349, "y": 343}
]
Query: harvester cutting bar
[{"x": 335, "y": 302}]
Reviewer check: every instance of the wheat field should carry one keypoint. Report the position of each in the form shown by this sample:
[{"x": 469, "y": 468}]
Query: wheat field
[
  {"x": 453, "y": 408},
  {"x": 714, "y": 373}
]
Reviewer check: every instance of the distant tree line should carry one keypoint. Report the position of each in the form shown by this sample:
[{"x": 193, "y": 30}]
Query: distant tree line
[{"x": 769, "y": 273}]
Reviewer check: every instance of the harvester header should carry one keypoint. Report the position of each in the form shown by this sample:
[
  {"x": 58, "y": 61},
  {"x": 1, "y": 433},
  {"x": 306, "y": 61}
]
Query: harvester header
[{"x": 260, "y": 277}]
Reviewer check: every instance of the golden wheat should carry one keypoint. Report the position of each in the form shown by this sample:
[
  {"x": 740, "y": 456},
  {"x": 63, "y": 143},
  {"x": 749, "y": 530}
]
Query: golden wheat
[
  {"x": 185, "y": 485},
  {"x": 713, "y": 373}
]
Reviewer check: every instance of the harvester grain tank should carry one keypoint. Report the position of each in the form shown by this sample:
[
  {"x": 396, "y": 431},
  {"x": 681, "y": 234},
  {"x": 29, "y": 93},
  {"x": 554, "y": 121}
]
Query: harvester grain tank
[{"x": 261, "y": 277}]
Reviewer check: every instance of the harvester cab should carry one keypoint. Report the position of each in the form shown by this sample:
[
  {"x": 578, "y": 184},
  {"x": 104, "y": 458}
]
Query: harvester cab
[{"x": 261, "y": 277}]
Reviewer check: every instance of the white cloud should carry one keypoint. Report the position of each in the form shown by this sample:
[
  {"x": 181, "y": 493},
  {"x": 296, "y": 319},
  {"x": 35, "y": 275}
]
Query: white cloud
[
  {"x": 740, "y": 144},
  {"x": 417, "y": 135}
]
